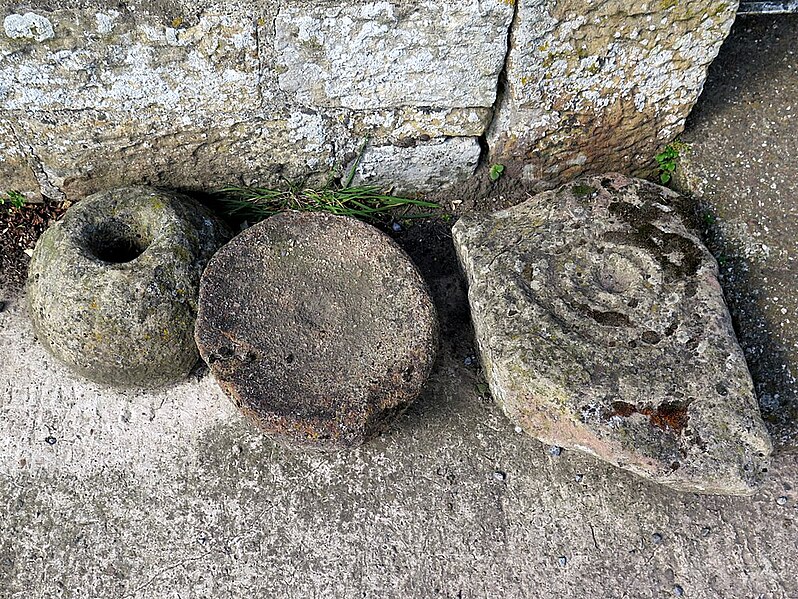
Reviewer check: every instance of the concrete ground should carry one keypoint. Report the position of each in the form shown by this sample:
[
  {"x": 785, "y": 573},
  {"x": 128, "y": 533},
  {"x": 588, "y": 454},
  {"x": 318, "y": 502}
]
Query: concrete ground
[
  {"x": 742, "y": 164},
  {"x": 107, "y": 494},
  {"x": 171, "y": 494}
]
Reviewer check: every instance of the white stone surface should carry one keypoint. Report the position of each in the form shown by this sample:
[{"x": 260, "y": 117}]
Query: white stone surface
[
  {"x": 428, "y": 166},
  {"x": 209, "y": 67},
  {"x": 385, "y": 54},
  {"x": 28, "y": 25}
]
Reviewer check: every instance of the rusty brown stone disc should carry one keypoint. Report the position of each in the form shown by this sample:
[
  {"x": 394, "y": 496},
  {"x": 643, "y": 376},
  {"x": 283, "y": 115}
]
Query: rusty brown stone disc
[{"x": 318, "y": 327}]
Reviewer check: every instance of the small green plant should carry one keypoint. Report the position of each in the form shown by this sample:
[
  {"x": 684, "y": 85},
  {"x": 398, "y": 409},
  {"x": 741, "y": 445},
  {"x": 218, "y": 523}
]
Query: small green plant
[
  {"x": 14, "y": 198},
  {"x": 584, "y": 190},
  {"x": 668, "y": 160},
  {"x": 495, "y": 172}
]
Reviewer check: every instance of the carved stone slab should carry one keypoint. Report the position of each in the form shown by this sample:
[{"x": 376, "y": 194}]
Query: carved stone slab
[
  {"x": 112, "y": 287},
  {"x": 602, "y": 327}
]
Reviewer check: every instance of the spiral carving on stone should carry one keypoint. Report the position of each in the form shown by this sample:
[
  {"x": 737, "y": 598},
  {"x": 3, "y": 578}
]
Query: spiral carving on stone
[
  {"x": 629, "y": 279},
  {"x": 601, "y": 325}
]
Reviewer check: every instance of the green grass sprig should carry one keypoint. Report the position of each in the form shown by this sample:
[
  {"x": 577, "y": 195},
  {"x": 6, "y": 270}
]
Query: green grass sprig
[{"x": 366, "y": 202}]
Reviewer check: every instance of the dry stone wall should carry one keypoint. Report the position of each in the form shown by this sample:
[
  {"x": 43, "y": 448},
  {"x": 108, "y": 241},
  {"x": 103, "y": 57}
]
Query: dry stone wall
[{"x": 196, "y": 95}]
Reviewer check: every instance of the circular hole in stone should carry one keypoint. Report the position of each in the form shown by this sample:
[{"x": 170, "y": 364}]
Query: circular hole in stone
[{"x": 115, "y": 242}]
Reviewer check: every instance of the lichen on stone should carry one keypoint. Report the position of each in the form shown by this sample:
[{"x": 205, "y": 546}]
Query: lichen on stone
[{"x": 604, "y": 324}]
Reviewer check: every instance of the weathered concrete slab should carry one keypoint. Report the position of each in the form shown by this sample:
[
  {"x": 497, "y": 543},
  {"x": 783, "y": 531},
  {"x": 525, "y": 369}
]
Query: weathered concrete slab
[
  {"x": 602, "y": 327},
  {"x": 740, "y": 165},
  {"x": 149, "y": 495}
]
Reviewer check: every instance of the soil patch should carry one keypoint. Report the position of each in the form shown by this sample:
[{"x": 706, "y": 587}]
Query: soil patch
[
  {"x": 480, "y": 194},
  {"x": 19, "y": 230}
]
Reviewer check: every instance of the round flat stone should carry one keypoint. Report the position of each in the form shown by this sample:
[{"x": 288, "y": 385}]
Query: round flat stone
[
  {"x": 318, "y": 327},
  {"x": 112, "y": 287}
]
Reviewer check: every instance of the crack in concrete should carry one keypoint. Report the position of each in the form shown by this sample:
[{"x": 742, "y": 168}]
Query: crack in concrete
[{"x": 257, "y": 26}]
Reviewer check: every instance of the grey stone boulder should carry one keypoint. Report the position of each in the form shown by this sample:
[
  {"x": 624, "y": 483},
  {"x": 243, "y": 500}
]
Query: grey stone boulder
[
  {"x": 112, "y": 287},
  {"x": 602, "y": 327},
  {"x": 318, "y": 327}
]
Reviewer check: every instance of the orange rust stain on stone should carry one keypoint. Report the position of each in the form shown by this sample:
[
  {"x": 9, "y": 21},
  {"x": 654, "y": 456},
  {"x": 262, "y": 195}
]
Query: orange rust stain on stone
[{"x": 668, "y": 415}]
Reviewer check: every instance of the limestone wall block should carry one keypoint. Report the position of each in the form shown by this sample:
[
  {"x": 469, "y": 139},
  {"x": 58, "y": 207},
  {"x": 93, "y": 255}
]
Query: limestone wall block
[
  {"x": 195, "y": 93},
  {"x": 388, "y": 54},
  {"x": 592, "y": 86}
]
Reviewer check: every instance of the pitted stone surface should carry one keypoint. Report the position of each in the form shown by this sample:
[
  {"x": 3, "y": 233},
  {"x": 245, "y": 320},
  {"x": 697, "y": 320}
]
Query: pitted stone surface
[
  {"x": 192, "y": 101},
  {"x": 318, "y": 327},
  {"x": 15, "y": 171},
  {"x": 112, "y": 287},
  {"x": 127, "y": 64},
  {"x": 602, "y": 327},
  {"x": 430, "y": 165},
  {"x": 28, "y": 25},
  {"x": 386, "y": 54},
  {"x": 151, "y": 92},
  {"x": 197, "y": 154},
  {"x": 592, "y": 86}
]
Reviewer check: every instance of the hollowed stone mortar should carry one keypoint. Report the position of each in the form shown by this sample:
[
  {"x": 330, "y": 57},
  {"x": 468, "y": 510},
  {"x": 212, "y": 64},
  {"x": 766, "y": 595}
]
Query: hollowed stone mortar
[{"x": 112, "y": 287}]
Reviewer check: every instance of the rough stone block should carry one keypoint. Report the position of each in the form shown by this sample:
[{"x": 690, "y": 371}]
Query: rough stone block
[
  {"x": 421, "y": 167},
  {"x": 557, "y": 88},
  {"x": 115, "y": 60},
  {"x": 388, "y": 54},
  {"x": 408, "y": 124},
  {"x": 602, "y": 327},
  {"x": 87, "y": 151},
  {"x": 602, "y": 86},
  {"x": 15, "y": 171}
]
